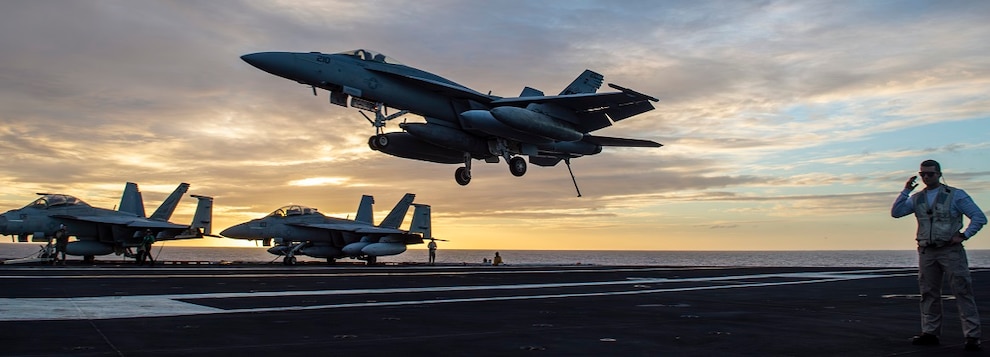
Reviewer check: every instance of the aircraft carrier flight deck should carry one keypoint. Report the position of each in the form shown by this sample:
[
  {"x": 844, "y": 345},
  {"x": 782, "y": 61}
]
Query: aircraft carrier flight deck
[{"x": 245, "y": 309}]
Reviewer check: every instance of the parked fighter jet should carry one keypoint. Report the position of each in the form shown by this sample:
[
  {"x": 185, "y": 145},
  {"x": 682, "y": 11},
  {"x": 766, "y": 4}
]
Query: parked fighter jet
[
  {"x": 463, "y": 124},
  {"x": 301, "y": 230},
  {"x": 100, "y": 231}
]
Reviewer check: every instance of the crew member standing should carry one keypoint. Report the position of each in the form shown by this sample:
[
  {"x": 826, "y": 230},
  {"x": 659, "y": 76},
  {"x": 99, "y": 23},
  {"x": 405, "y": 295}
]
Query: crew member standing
[
  {"x": 433, "y": 251},
  {"x": 939, "y": 209},
  {"x": 61, "y": 241},
  {"x": 145, "y": 253}
]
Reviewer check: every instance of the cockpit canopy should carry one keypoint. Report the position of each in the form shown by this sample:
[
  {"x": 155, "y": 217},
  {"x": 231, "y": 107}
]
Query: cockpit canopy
[
  {"x": 293, "y": 210},
  {"x": 368, "y": 55},
  {"x": 50, "y": 200}
]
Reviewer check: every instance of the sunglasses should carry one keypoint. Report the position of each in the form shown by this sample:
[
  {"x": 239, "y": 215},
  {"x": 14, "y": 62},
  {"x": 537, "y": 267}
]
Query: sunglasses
[{"x": 927, "y": 173}]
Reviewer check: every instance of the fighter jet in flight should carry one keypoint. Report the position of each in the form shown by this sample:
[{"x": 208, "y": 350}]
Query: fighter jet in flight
[
  {"x": 301, "y": 230},
  {"x": 463, "y": 124},
  {"x": 101, "y": 231}
]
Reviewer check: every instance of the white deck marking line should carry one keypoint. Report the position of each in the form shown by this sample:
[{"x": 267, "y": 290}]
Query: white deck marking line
[
  {"x": 110, "y": 307},
  {"x": 296, "y": 273}
]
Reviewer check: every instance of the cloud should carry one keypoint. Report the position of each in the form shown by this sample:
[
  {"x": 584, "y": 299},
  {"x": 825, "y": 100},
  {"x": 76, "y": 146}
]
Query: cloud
[{"x": 793, "y": 108}]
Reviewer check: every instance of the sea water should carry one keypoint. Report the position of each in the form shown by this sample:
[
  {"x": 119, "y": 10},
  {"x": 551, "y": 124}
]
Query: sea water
[{"x": 829, "y": 258}]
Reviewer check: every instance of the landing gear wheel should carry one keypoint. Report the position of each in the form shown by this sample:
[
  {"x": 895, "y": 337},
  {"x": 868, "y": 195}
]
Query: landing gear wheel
[
  {"x": 372, "y": 260},
  {"x": 289, "y": 260},
  {"x": 517, "y": 166},
  {"x": 331, "y": 261},
  {"x": 89, "y": 259},
  {"x": 462, "y": 176}
]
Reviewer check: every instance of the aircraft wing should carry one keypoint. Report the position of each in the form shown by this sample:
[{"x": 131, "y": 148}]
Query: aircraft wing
[
  {"x": 593, "y": 110},
  {"x": 447, "y": 89},
  {"x": 130, "y": 222},
  {"x": 351, "y": 227},
  {"x": 610, "y": 141}
]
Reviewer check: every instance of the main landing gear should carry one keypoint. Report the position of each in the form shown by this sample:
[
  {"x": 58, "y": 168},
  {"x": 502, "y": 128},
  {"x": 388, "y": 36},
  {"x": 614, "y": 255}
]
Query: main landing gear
[{"x": 517, "y": 166}]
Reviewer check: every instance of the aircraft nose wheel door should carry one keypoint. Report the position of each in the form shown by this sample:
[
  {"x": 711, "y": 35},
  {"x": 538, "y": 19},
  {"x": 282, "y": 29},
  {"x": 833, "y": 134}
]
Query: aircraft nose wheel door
[{"x": 517, "y": 166}]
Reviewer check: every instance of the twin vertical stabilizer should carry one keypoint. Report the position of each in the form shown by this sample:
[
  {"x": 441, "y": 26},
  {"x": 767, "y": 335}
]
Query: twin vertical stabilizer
[
  {"x": 131, "y": 201},
  {"x": 365, "y": 213},
  {"x": 421, "y": 221},
  {"x": 164, "y": 212},
  {"x": 398, "y": 213}
]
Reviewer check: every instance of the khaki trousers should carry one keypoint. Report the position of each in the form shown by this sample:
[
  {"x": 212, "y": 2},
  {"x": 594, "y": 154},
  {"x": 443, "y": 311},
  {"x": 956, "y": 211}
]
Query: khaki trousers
[{"x": 949, "y": 260}]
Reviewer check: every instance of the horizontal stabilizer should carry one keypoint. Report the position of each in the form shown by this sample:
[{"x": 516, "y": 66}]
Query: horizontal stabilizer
[
  {"x": 610, "y": 141},
  {"x": 624, "y": 111}
]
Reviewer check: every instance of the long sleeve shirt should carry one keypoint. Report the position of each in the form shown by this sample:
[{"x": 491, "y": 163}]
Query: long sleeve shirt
[{"x": 961, "y": 203}]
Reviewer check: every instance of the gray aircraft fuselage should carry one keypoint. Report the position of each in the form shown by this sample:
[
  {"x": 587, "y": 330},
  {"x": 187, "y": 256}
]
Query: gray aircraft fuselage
[
  {"x": 99, "y": 231},
  {"x": 463, "y": 124},
  {"x": 301, "y": 230},
  {"x": 341, "y": 73},
  {"x": 40, "y": 217}
]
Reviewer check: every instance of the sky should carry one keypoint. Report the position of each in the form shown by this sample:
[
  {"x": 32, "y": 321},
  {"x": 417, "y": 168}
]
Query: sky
[{"x": 787, "y": 125}]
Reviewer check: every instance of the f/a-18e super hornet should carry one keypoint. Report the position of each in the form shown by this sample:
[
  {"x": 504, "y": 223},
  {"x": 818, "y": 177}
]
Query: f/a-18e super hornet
[
  {"x": 301, "y": 230},
  {"x": 101, "y": 231},
  {"x": 463, "y": 124}
]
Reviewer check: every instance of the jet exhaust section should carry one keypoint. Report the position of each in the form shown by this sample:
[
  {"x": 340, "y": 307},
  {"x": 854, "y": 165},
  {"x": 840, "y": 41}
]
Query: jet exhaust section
[{"x": 537, "y": 123}]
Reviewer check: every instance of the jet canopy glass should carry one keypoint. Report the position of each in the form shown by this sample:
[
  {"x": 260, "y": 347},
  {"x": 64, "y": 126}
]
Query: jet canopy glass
[
  {"x": 56, "y": 200},
  {"x": 293, "y": 210},
  {"x": 368, "y": 55}
]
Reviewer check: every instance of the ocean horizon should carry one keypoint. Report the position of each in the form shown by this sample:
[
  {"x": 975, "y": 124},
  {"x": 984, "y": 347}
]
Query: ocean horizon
[{"x": 978, "y": 258}]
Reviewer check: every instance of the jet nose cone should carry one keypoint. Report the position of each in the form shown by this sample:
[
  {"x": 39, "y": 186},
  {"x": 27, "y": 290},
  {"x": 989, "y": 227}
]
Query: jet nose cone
[
  {"x": 238, "y": 231},
  {"x": 3, "y": 224},
  {"x": 281, "y": 64}
]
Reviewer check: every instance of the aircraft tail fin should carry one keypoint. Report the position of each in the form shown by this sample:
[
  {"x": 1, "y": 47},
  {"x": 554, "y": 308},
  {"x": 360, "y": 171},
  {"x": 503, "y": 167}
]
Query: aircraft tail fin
[
  {"x": 531, "y": 92},
  {"x": 132, "y": 201},
  {"x": 364, "y": 212},
  {"x": 421, "y": 221},
  {"x": 394, "y": 218},
  {"x": 203, "y": 218},
  {"x": 588, "y": 82},
  {"x": 164, "y": 212}
]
